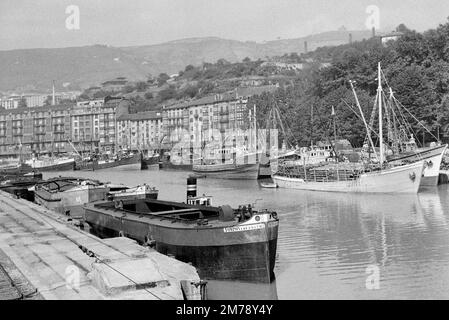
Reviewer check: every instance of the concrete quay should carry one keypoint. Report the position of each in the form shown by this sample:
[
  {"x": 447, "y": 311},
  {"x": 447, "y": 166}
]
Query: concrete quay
[{"x": 44, "y": 256}]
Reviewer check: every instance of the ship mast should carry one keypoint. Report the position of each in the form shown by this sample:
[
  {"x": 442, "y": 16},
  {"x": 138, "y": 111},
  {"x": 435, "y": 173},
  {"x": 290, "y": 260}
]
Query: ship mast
[
  {"x": 379, "y": 93},
  {"x": 368, "y": 128}
]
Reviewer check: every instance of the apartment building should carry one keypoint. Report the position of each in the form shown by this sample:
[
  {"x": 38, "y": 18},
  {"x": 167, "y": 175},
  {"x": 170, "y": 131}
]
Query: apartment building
[
  {"x": 140, "y": 131},
  {"x": 58, "y": 129},
  {"x": 40, "y": 129}
]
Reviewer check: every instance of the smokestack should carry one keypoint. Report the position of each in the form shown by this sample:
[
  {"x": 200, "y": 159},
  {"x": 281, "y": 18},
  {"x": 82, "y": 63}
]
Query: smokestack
[
  {"x": 374, "y": 31},
  {"x": 53, "y": 100},
  {"x": 191, "y": 187},
  {"x": 305, "y": 47},
  {"x": 350, "y": 38}
]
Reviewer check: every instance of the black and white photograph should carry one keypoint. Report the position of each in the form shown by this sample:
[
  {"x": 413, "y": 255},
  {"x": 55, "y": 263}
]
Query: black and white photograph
[{"x": 243, "y": 151}]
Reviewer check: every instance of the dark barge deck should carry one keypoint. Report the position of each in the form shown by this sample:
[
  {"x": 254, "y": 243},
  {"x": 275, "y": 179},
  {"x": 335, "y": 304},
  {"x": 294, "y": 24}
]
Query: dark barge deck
[{"x": 216, "y": 240}]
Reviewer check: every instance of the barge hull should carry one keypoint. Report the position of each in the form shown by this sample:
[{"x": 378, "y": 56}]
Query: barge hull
[
  {"x": 218, "y": 253},
  {"x": 245, "y": 262}
]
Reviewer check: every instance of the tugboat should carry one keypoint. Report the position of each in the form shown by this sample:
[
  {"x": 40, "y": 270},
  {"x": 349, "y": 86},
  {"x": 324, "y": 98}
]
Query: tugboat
[{"x": 221, "y": 242}]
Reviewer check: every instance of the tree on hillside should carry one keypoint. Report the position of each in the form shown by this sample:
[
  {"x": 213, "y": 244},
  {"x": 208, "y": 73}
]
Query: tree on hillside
[
  {"x": 167, "y": 94},
  {"x": 162, "y": 79},
  {"x": 148, "y": 95},
  {"x": 128, "y": 88},
  {"x": 150, "y": 79},
  {"x": 189, "y": 68},
  {"x": 141, "y": 86}
]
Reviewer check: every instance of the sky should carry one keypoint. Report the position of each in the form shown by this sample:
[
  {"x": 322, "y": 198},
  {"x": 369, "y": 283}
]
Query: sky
[{"x": 45, "y": 23}]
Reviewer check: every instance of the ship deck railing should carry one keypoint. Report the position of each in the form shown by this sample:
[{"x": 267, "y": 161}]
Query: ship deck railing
[
  {"x": 319, "y": 175},
  {"x": 165, "y": 215}
]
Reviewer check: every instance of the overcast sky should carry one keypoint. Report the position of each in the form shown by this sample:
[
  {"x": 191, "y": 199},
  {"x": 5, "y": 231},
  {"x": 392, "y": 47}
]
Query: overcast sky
[{"x": 38, "y": 24}]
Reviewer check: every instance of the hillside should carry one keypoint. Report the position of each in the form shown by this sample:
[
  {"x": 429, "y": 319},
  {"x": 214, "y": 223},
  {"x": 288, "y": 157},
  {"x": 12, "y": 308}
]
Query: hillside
[{"x": 81, "y": 67}]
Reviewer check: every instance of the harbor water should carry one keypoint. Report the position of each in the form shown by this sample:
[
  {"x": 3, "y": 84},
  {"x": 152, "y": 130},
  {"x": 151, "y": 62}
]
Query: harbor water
[{"x": 331, "y": 245}]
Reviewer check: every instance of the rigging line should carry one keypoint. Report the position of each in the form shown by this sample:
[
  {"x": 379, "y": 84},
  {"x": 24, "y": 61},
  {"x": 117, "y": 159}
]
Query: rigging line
[
  {"x": 282, "y": 126},
  {"x": 407, "y": 124},
  {"x": 403, "y": 130},
  {"x": 277, "y": 112},
  {"x": 327, "y": 136},
  {"x": 419, "y": 122},
  {"x": 360, "y": 118},
  {"x": 399, "y": 103}
]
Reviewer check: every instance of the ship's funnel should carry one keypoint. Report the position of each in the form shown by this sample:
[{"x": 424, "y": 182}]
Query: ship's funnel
[{"x": 191, "y": 187}]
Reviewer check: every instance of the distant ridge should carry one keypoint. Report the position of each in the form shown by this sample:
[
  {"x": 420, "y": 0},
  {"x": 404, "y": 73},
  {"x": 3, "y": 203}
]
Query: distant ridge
[{"x": 81, "y": 67}]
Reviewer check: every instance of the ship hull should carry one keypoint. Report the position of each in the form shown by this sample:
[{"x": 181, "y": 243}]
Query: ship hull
[
  {"x": 403, "y": 179},
  {"x": 149, "y": 162},
  {"x": 128, "y": 163},
  {"x": 221, "y": 253},
  {"x": 70, "y": 202},
  {"x": 432, "y": 158},
  {"x": 170, "y": 166},
  {"x": 65, "y": 166},
  {"x": 20, "y": 169},
  {"x": 228, "y": 171}
]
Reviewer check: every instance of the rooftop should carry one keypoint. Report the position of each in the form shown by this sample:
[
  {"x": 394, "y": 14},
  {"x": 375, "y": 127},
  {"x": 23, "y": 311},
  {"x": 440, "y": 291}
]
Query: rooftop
[
  {"x": 147, "y": 115},
  {"x": 238, "y": 93}
]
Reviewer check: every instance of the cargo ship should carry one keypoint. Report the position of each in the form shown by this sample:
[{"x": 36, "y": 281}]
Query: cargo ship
[
  {"x": 130, "y": 161},
  {"x": 51, "y": 164},
  {"x": 221, "y": 242}
]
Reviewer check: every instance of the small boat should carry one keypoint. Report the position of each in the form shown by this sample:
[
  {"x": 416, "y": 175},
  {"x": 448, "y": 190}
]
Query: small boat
[
  {"x": 269, "y": 185},
  {"x": 221, "y": 242},
  {"x": 18, "y": 184},
  {"x": 68, "y": 195},
  {"x": 121, "y": 192},
  {"x": 149, "y": 161},
  {"x": 52, "y": 164},
  {"x": 167, "y": 162},
  {"x": 16, "y": 169}
]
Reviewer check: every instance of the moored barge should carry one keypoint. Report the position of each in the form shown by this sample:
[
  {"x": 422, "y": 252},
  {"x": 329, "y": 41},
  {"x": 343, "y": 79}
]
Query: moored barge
[{"x": 221, "y": 242}]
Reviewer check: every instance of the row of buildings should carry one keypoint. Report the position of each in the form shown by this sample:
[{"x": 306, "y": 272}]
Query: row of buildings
[
  {"x": 107, "y": 126},
  {"x": 32, "y": 100}
]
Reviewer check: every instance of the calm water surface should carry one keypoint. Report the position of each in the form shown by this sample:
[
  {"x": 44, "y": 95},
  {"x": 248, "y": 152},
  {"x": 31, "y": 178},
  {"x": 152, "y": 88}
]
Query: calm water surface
[{"x": 327, "y": 241}]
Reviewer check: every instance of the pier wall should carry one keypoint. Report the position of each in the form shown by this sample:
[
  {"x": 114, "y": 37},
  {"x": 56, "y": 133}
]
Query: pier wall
[{"x": 52, "y": 259}]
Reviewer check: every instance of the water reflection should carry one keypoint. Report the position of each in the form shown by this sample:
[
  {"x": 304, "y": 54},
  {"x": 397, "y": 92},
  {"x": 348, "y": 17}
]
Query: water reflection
[{"x": 327, "y": 240}]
